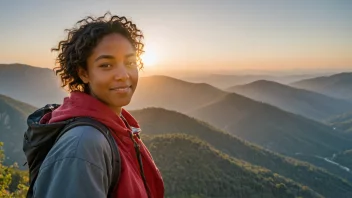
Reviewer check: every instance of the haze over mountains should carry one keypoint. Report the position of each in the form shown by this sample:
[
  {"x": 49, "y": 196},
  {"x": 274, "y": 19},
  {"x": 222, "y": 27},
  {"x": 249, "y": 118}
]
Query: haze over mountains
[
  {"x": 173, "y": 94},
  {"x": 338, "y": 85},
  {"x": 342, "y": 122},
  {"x": 36, "y": 86},
  {"x": 239, "y": 135},
  {"x": 306, "y": 103},
  {"x": 223, "y": 81},
  {"x": 270, "y": 126},
  {"x": 13, "y": 122}
]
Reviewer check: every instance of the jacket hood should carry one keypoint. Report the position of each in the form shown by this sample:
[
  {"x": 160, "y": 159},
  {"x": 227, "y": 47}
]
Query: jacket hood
[{"x": 80, "y": 104}]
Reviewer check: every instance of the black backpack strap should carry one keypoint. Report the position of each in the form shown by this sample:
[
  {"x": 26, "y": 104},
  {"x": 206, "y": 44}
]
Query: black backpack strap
[{"x": 116, "y": 160}]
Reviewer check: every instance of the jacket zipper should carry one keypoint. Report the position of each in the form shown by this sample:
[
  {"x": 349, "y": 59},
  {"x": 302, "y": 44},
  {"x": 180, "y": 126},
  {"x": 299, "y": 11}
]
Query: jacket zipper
[{"x": 139, "y": 158}]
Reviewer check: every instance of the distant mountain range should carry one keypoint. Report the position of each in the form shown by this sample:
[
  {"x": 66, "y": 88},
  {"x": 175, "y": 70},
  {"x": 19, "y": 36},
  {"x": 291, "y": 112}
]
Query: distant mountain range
[
  {"x": 36, "y": 86},
  {"x": 226, "y": 126},
  {"x": 258, "y": 122},
  {"x": 337, "y": 85},
  {"x": 299, "y": 101},
  {"x": 203, "y": 147},
  {"x": 271, "y": 127},
  {"x": 173, "y": 94},
  {"x": 13, "y": 123},
  {"x": 222, "y": 81},
  {"x": 156, "y": 121}
]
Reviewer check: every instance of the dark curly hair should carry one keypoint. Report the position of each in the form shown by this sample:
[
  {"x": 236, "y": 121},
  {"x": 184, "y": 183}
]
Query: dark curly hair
[{"x": 83, "y": 38}]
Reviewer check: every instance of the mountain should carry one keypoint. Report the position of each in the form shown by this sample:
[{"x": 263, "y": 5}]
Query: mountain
[
  {"x": 271, "y": 127},
  {"x": 173, "y": 94},
  {"x": 185, "y": 100},
  {"x": 157, "y": 121},
  {"x": 337, "y": 85},
  {"x": 13, "y": 123},
  {"x": 193, "y": 168},
  {"x": 36, "y": 86},
  {"x": 342, "y": 122},
  {"x": 40, "y": 86},
  {"x": 332, "y": 186},
  {"x": 299, "y": 101},
  {"x": 223, "y": 81},
  {"x": 344, "y": 158}
]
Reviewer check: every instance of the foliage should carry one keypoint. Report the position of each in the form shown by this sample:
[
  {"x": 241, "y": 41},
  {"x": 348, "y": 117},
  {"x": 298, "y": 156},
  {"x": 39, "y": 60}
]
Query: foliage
[
  {"x": 12, "y": 181},
  {"x": 160, "y": 121},
  {"x": 192, "y": 167}
]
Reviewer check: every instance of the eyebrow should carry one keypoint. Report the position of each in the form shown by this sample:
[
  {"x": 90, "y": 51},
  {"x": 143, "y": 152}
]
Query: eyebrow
[
  {"x": 130, "y": 54},
  {"x": 104, "y": 57},
  {"x": 112, "y": 57}
]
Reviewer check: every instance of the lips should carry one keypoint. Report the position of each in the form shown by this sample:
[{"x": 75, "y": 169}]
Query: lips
[{"x": 121, "y": 89}]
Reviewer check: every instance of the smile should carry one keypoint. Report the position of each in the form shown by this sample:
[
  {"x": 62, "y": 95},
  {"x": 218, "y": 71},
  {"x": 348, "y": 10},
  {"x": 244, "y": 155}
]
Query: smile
[{"x": 124, "y": 89}]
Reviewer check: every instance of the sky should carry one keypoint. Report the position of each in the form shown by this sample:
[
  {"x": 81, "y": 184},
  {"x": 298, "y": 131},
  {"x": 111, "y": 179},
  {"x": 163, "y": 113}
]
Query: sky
[{"x": 194, "y": 35}]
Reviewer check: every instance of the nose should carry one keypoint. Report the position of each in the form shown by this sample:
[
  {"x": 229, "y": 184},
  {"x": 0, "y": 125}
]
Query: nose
[{"x": 121, "y": 72}]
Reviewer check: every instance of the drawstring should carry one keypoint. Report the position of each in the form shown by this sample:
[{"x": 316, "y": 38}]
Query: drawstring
[{"x": 138, "y": 153}]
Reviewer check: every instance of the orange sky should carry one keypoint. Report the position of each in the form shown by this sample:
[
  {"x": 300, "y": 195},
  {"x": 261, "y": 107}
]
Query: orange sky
[{"x": 200, "y": 35}]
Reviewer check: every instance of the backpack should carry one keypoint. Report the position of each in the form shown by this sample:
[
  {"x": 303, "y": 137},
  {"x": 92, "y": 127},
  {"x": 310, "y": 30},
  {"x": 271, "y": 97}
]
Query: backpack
[{"x": 40, "y": 138}]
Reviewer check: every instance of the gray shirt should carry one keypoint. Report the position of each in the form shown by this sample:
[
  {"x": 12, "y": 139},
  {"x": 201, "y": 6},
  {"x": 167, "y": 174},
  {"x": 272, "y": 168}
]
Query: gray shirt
[{"x": 78, "y": 165}]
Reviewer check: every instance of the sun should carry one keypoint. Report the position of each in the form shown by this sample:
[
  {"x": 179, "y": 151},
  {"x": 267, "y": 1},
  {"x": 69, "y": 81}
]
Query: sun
[{"x": 149, "y": 58}]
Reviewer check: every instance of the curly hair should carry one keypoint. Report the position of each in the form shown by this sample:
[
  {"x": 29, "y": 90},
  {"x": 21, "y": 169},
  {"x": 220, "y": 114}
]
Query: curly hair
[{"x": 83, "y": 38}]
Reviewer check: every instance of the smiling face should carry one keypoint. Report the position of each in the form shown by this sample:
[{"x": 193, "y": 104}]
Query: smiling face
[{"x": 112, "y": 71}]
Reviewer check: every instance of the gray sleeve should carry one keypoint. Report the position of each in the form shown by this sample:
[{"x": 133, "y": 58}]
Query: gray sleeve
[{"x": 79, "y": 165}]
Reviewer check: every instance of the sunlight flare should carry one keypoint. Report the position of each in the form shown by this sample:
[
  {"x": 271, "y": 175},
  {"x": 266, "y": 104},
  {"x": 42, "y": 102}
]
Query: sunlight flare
[{"x": 149, "y": 58}]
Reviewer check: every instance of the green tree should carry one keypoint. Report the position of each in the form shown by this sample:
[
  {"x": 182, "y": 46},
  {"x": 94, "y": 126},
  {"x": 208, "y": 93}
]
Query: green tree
[{"x": 10, "y": 176}]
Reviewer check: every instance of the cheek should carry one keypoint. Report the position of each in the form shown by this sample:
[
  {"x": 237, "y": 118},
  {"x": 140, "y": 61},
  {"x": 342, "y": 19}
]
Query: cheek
[
  {"x": 100, "y": 81},
  {"x": 134, "y": 75}
]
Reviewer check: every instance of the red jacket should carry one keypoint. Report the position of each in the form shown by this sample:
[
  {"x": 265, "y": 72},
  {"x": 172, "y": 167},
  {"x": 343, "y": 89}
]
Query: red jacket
[{"x": 131, "y": 183}]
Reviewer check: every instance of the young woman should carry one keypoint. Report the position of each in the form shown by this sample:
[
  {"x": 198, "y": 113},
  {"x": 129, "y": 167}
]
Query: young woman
[{"x": 98, "y": 63}]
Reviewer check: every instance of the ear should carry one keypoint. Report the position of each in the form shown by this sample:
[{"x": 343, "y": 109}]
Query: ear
[{"x": 83, "y": 74}]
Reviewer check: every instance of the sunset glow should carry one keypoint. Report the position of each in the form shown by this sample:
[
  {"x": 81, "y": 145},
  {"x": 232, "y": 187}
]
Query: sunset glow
[
  {"x": 149, "y": 59},
  {"x": 249, "y": 35}
]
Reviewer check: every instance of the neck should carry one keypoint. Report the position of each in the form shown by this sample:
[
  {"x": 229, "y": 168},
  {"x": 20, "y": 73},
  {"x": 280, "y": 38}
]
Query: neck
[{"x": 117, "y": 110}]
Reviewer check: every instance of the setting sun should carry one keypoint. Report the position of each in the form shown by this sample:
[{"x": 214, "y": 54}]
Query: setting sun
[{"x": 149, "y": 58}]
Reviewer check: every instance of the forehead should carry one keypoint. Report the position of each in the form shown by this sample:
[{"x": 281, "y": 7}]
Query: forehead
[{"x": 113, "y": 44}]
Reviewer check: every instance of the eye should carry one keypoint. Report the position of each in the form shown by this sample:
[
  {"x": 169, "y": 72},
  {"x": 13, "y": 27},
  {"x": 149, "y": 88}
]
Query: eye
[
  {"x": 131, "y": 64},
  {"x": 105, "y": 65}
]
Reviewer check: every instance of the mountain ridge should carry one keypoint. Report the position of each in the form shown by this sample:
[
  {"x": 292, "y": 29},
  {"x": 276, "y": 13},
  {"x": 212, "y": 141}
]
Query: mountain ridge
[
  {"x": 299, "y": 101},
  {"x": 36, "y": 86},
  {"x": 207, "y": 165},
  {"x": 337, "y": 85},
  {"x": 157, "y": 121},
  {"x": 13, "y": 123},
  {"x": 276, "y": 130}
]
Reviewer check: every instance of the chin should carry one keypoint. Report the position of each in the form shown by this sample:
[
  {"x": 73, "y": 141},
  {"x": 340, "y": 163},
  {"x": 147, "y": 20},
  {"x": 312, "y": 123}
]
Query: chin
[{"x": 121, "y": 103}]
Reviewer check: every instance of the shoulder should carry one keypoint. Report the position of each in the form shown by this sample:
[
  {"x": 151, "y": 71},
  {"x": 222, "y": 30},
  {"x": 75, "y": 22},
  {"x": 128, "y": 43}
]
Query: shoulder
[
  {"x": 82, "y": 142},
  {"x": 78, "y": 165}
]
